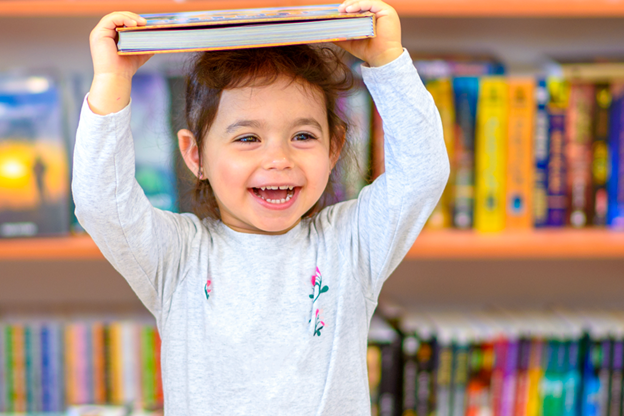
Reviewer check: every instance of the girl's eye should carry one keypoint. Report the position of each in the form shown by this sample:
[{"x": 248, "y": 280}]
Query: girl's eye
[
  {"x": 247, "y": 139},
  {"x": 303, "y": 137}
]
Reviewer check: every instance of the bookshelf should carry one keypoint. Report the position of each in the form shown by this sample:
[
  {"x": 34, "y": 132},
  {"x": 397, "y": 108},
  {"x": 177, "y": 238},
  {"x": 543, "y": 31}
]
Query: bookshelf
[
  {"x": 451, "y": 8},
  {"x": 443, "y": 268}
]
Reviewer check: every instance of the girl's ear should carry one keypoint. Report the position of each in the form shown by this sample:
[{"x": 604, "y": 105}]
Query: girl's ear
[
  {"x": 189, "y": 150},
  {"x": 335, "y": 154}
]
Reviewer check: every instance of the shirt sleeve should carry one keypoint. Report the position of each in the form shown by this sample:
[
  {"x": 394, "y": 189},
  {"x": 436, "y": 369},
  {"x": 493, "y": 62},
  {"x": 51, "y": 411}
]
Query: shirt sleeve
[
  {"x": 146, "y": 245},
  {"x": 390, "y": 213}
]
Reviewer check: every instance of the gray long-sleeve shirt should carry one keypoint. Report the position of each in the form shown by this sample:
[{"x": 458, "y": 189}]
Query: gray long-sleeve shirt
[{"x": 282, "y": 327}]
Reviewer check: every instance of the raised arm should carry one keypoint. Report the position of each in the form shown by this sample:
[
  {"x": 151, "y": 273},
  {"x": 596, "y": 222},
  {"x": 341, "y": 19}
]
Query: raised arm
[{"x": 144, "y": 244}]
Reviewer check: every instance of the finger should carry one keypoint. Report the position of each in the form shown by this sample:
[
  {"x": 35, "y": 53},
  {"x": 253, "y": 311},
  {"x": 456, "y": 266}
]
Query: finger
[
  {"x": 345, "y": 4},
  {"x": 119, "y": 19},
  {"x": 136, "y": 17},
  {"x": 365, "y": 6}
]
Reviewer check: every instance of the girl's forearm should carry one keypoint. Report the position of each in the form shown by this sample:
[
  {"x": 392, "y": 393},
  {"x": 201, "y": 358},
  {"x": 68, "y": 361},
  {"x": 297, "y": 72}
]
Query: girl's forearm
[{"x": 109, "y": 93}]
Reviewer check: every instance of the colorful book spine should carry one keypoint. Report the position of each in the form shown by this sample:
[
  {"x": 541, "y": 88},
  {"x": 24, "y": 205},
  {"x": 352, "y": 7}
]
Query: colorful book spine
[
  {"x": 615, "y": 399},
  {"x": 615, "y": 211},
  {"x": 410, "y": 374},
  {"x": 148, "y": 367},
  {"x": 536, "y": 372},
  {"x": 521, "y": 125},
  {"x": 19, "y": 369},
  {"x": 600, "y": 155},
  {"x": 426, "y": 396},
  {"x": 442, "y": 92},
  {"x": 552, "y": 385},
  {"x": 578, "y": 152},
  {"x": 591, "y": 391},
  {"x": 510, "y": 377},
  {"x": 3, "y": 373},
  {"x": 557, "y": 188},
  {"x": 460, "y": 379},
  {"x": 98, "y": 377},
  {"x": 443, "y": 377},
  {"x": 541, "y": 153},
  {"x": 522, "y": 388},
  {"x": 466, "y": 90},
  {"x": 572, "y": 380},
  {"x": 500, "y": 357},
  {"x": 490, "y": 152},
  {"x": 32, "y": 344},
  {"x": 604, "y": 375}
]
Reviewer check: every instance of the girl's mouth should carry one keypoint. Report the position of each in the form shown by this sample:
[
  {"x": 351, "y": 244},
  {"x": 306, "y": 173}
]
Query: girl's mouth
[{"x": 276, "y": 197}]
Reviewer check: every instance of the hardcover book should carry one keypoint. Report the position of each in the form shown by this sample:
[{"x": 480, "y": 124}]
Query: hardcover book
[
  {"x": 615, "y": 212},
  {"x": 243, "y": 28},
  {"x": 559, "y": 91}
]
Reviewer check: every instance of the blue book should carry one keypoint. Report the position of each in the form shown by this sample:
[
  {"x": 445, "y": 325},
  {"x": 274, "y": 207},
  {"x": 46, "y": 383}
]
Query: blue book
[
  {"x": 46, "y": 366},
  {"x": 572, "y": 379},
  {"x": 615, "y": 185},
  {"x": 541, "y": 146},
  {"x": 153, "y": 140},
  {"x": 466, "y": 95}
]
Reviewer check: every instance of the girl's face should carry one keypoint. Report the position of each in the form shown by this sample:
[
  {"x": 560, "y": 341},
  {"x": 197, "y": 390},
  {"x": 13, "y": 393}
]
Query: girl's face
[{"x": 266, "y": 155}]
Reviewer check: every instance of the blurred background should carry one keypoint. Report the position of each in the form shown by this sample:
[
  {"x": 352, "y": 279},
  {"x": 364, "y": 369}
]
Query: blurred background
[{"x": 510, "y": 302}]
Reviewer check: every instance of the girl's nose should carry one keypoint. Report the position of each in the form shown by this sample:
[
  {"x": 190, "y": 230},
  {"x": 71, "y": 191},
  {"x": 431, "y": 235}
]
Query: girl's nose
[{"x": 278, "y": 158}]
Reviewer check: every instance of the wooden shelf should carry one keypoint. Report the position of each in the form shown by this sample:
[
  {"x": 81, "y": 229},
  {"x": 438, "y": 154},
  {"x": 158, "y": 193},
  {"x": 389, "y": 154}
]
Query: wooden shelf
[
  {"x": 537, "y": 244},
  {"x": 406, "y": 8},
  {"x": 448, "y": 244}
]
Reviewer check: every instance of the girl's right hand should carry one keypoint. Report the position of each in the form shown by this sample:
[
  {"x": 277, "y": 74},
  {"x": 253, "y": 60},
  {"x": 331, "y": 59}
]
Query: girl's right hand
[{"x": 112, "y": 73}]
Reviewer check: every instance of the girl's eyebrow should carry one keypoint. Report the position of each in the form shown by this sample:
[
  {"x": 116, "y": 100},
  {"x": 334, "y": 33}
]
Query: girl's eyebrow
[
  {"x": 304, "y": 121},
  {"x": 307, "y": 121}
]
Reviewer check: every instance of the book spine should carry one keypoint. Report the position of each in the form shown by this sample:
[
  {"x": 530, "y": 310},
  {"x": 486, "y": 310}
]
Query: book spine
[
  {"x": 116, "y": 364},
  {"x": 46, "y": 367},
  {"x": 129, "y": 365},
  {"x": 604, "y": 375},
  {"x": 510, "y": 373},
  {"x": 148, "y": 376},
  {"x": 490, "y": 151},
  {"x": 460, "y": 380},
  {"x": 426, "y": 395},
  {"x": 70, "y": 364},
  {"x": 591, "y": 382},
  {"x": 97, "y": 357},
  {"x": 552, "y": 383},
  {"x": 3, "y": 372},
  {"x": 615, "y": 211},
  {"x": 442, "y": 92},
  {"x": 615, "y": 402},
  {"x": 58, "y": 354},
  {"x": 389, "y": 386},
  {"x": 572, "y": 381},
  {"x": 33, "y": 367},
  {"x": 519, "y": 186},
  {"x": 500, "y": 357},
  {"x": 522, "y": 390},
  {"x": 541, "y": 155},
  {"x": 410, "y": 373},
  {"x": 600, "y": 155},
  {"x": 443, "y": 379},
  {"x": 19, "y": 369},
  {"x": 578, "y": 152},
  {"x": 536, "y": 372},
  {"x": 373, "y": 361},
  {"x": 466, "y": 90},
  {"x": 159, "y": 384},
  {"x": 10, "y": 368},
  {"x": 557, "y": 189}
]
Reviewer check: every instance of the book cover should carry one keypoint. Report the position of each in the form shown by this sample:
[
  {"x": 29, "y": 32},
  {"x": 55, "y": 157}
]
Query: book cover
[
  {"x": 490, "y": 151},
  {"x": 615, "y": 211},
  {"x": 243, "y": 28},
  {"x": 34, "y": 168},
  {"x": 541, "y": 151},
  {"x": 578, "y": 152},
  {"x": 442, "y": 92},
  {"x": 521, "y": 126},
  {"x": 154, "y": 143},
  {"x": 558, "y": 90},
  {"x": 600, "y": 155},
  {"x": 466, "y": 94}
]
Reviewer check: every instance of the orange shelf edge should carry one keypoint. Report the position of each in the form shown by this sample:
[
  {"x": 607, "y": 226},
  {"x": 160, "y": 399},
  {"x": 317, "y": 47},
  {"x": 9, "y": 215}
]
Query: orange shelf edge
[
  {"x": 535, "y": 244},
  {"x": 406, "y": 8},
  {"x": 447, "y": 244},
  {"x": 50, "y": 248}
]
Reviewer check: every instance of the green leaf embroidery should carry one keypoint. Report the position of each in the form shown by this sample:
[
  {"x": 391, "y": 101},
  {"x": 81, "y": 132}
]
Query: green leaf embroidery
[
  {"x": 312, "y": 296},
  {"x": 325, "y": 289}
]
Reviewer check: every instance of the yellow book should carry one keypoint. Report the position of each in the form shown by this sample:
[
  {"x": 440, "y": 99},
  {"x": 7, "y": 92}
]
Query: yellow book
[
  {"x": 442, "y": 92},
  {"x": 70, "y": 365},
  {"x": 116, "y": 363},
  {"x": 490, "y": 152},
  {"x": 519, "y": 183}
]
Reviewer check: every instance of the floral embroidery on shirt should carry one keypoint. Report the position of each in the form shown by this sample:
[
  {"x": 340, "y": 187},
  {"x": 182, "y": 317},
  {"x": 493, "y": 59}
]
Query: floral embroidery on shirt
[
  {"x": 317, "y": 290},
  {"x": 207, "y": 288},
  {"x": 317, "y": 281},
  {"x": 318, "y": 324}
]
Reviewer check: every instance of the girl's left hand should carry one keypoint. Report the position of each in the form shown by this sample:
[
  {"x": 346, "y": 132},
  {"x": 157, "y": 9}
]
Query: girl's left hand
[{"x": 386, "y": 46}]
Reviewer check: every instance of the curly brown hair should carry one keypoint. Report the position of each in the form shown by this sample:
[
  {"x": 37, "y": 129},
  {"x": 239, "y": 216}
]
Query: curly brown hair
[{"x": 210, "y": 73}]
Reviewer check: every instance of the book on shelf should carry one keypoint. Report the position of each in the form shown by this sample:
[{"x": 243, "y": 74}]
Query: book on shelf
[
  {"x": 243, "y": 28},
  {"x": 615, "y": 210},
  {"x": 557, "y": 200},
  {"x": 490, "y": 152},
  {"x": 34, "y": 166}
]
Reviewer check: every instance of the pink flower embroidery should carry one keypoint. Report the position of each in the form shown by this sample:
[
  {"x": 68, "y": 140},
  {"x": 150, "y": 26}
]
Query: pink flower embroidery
[
  {"x": 318, "y": 325},
  {"x": 317, "y": 281},
  {"x": 207, "y": 288}
]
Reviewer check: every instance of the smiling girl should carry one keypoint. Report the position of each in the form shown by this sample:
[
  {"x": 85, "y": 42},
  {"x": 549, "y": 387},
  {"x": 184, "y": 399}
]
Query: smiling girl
[{"x": 263, "y": 296}]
